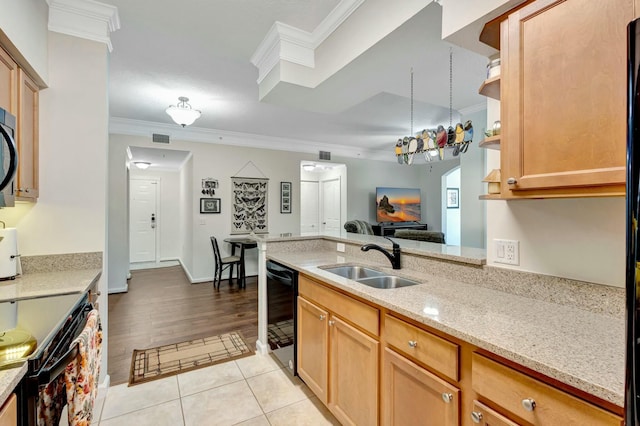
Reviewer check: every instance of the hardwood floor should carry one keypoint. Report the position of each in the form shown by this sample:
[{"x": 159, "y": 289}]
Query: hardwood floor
[{"x": 162, "y": 307}]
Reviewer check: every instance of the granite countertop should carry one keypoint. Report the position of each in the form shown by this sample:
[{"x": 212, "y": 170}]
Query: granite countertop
[
  {"x": 9, "y": 379},
  {"x": 575, "y": 346},
  {"x": 45, "y": 284}
]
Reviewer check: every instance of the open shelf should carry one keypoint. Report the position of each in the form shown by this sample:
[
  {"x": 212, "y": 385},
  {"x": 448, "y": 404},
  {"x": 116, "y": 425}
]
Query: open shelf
[
  {"x": 491, "y": 87},
  {"x": 492, "y": 142},
  {"x": 491, "y": 197}
]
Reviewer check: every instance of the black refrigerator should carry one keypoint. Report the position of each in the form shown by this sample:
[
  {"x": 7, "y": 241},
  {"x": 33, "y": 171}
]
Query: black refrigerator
[{"x": 632, "y": 379}]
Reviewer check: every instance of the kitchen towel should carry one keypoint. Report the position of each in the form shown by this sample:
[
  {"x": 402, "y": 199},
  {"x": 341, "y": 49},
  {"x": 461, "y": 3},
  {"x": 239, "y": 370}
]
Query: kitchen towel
[
  {"x": 82, "y": 374},
  {"x": 8, "y": 252}
]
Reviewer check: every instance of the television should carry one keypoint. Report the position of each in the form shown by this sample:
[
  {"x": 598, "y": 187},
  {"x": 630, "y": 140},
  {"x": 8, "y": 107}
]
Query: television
[{"x": 397, "y": 204}]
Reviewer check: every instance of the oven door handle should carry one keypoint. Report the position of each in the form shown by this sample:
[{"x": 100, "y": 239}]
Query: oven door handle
[{"x": 47, "y": 375}]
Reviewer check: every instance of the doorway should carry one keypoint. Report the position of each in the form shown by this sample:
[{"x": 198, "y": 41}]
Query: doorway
[
  {"x": 323, "y": 196},
  {"x": 143, "y": 207}
]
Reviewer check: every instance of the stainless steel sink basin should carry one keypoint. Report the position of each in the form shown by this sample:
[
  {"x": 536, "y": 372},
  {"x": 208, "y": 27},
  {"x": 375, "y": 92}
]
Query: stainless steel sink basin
[
  {"x": 387, "y": 281},
  {"x": 354, "y": 272},
  {"x": 370, "y": 277}
]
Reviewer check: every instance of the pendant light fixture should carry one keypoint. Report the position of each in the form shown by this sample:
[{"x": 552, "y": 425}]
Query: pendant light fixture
[{"x": 182, "y": 113}]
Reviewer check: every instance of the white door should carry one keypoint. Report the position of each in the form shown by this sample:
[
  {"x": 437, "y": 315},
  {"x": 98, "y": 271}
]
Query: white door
[
  {"x": 330, "y": 205},
  {"x": 309, "y": 202},
  {"x": 143, "y": 220}
]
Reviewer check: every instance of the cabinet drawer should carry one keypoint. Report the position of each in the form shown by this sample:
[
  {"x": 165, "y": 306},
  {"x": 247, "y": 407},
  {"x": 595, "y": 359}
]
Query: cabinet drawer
[
  {"x": 485, "y": 416},
  {"x": 9, "y": 412},
  {"x": 364, "y": 316},
  {"x": 428, "y": 348},
  {"x": 511, "y": 389}
]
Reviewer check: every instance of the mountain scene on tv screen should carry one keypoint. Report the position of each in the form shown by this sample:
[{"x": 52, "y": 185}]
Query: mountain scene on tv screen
[{"x": 398, "y": 205}]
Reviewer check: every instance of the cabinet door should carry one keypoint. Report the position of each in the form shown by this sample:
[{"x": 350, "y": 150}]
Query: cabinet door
[
  {"x": 353, "y": 374},
  {"x": 8, "y": 83},
  {"x": 9, "y": 412},
  {"x": 27, "y": 185},
  {"x": 313, "y": 347},
  {"x": 413, "y": 396},
  {"x": 564, "y": 98}
]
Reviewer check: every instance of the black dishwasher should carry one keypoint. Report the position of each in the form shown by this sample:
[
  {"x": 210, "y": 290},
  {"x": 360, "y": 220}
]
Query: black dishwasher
[{"x": 282, "y": 293}]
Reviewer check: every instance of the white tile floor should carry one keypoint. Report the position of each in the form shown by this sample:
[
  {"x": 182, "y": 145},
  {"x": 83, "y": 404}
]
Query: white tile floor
[{"x": 249, "y": 391}]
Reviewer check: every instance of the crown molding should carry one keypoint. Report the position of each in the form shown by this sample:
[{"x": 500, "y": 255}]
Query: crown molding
[
  {"x": 286, "y": 43},
  {"x": 125, "y": 126},
  {"x": 86, "y": 19}
]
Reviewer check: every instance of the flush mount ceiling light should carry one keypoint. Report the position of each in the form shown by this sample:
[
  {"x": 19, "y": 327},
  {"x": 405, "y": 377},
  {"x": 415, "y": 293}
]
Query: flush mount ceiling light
[
  {"x": 308, "y": 167},
  {"x": 182, "y": 113},
  {"x": 142, "y": 164}
]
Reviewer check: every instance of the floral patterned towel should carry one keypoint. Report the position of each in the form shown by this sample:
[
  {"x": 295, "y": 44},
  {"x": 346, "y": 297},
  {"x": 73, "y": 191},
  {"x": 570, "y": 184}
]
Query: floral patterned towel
[{"x": 82, "y": 374}]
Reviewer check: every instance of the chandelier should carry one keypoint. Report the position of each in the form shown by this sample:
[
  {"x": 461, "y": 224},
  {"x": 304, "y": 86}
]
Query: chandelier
[
  {"x": 432, "y": 143},
  {"x": 182, "y": 113}
]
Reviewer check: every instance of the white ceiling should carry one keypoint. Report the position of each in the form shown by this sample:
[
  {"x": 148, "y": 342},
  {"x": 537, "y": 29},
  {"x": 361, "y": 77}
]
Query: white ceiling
[{"x": 201, "y": 49}]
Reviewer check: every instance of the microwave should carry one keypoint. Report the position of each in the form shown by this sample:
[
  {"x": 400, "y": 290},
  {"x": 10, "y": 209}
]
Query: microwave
[{"x": 8, "y": 159}]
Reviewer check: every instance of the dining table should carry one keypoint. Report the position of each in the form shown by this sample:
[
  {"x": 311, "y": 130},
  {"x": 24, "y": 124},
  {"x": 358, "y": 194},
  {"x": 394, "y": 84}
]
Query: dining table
[{"x": 243, "y": 244}]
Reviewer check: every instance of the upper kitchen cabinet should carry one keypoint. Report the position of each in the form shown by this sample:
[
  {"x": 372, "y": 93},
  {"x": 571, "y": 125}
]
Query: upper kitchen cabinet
[
  {"x": 8, "y": 83},
  {"x": 19, "y": 95},
  {"x": 563, "y": 99},
  {"x": 27, "y": 185}
]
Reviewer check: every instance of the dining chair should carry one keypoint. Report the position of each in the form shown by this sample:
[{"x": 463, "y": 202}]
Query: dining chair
[{"x": 222, "y": 263}]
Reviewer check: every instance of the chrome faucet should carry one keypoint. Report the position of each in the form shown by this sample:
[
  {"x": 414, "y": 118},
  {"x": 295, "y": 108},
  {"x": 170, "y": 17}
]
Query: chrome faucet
[{"x": 394, "y": 258}]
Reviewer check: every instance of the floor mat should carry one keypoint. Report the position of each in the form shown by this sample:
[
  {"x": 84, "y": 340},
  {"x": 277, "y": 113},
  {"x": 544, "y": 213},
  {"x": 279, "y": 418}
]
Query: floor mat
[{"x": 167, "y": 360}]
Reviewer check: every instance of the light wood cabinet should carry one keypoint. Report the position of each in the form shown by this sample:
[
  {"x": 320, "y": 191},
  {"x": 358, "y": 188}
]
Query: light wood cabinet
[
  {"x": 9, "y": 412},
  {"x": 485, "y": 416},
  {"x": 313, "y": 348},
  {"x": 337, "y": 357},
  {"x": 413, "y": 396},
  {"x": 563, "y": 99},
  {"x": 8, "y": 83},
  {"x": 353, "y": 374},
  {"x": 531, "y": 400},
  {"x": 27, "y": 140},
  {"x": 19, "y": 95}
]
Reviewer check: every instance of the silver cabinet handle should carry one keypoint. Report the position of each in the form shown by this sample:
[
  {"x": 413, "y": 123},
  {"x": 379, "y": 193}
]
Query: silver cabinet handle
[
  {"x": 331, "y": 322},
  {"x": 512, "y": 181},
  {"x": 413, "y": 343},
  {"x": 476, "y": 416},
  {"x": 447, "y": 397},
  {"x": 321, "y": 317},
  {"x": 529, "y": 404}
]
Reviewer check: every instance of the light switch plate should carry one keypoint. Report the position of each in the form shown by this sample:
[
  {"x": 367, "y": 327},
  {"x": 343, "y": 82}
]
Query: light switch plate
[{"x": 340, "y": 247}]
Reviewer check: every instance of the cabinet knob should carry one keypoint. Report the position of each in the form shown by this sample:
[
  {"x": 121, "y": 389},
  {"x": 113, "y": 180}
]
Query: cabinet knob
[
  {"x": 447, "y": 397},
  {"x": 331, "y": 322},
  {"x": 321, "y": 317},
  {"x": 512, "y": 181},
  {"x": 476, "y": 416},
  {"x": 529, "y": 404},
  {"x": 413, "y": 343}
]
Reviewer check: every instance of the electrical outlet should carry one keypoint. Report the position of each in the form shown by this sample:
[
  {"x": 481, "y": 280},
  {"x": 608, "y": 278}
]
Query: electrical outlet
[{"x": 507, "y": 251}]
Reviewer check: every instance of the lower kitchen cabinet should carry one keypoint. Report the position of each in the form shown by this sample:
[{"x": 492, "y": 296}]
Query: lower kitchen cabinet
[
  {"x": 353, "y": 374},
  {"x": 485, "y": 416},
  {"x": 9, "y": 412},
  {"x": 313, "y": 347},
  {"x": 337, "y": 358},
  {"x": 531, "y": 400},
  {"x": 412, "y": 395}
]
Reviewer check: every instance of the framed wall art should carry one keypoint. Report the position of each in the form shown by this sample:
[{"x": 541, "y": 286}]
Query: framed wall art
[
  {"x": 209, "y": 205},
  {"x": 249, "y": 205},
  {"x": 453, "y": 201},
  {"x": 285, "y": 197}
]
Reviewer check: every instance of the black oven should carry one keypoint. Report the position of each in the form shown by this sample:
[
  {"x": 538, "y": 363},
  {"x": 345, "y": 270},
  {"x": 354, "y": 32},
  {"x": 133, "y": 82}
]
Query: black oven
[
  {"x": 50, "y": 359},
  {"x": 282, "y": 293}
]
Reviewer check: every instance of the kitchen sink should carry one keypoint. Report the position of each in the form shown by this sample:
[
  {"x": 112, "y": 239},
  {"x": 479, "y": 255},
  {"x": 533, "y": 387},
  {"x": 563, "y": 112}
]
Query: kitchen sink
[
  {"x": 387, "y": 281},
  {"x": 354, "y": 272},
  {"x": 371, "y": 277}
]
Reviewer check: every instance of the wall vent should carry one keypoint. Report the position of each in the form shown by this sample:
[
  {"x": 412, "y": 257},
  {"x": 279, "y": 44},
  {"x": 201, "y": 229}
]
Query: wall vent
[
  {"x": 325, "y": 155},
  {"x": 158, "y": 138}
]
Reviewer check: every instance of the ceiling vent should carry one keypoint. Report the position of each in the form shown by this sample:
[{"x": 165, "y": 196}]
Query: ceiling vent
[
  {"x": 325, "y": 155},
  {"x": 158, "y": 138}
]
